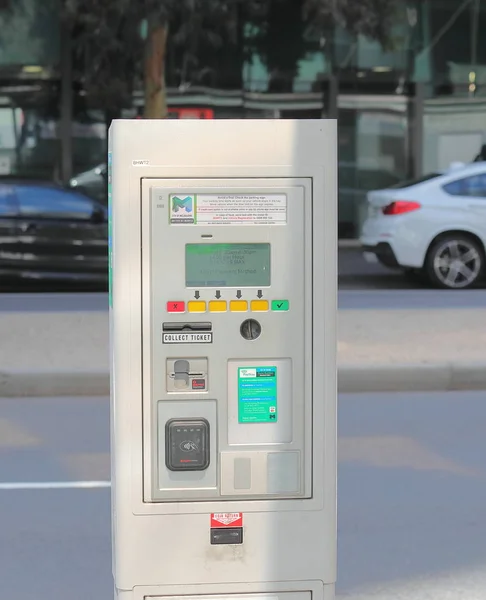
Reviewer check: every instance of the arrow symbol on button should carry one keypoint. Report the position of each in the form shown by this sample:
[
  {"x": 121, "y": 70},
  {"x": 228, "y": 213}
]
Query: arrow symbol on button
[
  {"x": 260, "y": 294},
  {"x": 218, "y": 294},
  {"x": 197, "y": 295},
  {"x": 238, "y": 294}
]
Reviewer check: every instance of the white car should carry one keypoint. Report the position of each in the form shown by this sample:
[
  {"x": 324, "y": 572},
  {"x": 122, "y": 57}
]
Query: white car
[{"x": 435, "y": 227}]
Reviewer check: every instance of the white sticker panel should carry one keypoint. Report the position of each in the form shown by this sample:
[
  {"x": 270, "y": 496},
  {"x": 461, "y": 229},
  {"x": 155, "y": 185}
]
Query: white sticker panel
[{"x": 228, "y": 209}]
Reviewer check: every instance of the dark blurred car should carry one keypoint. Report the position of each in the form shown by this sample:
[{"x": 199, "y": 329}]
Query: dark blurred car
[
  {"x": 92, "y": 183},
  {"x": 51, "y": 233}
]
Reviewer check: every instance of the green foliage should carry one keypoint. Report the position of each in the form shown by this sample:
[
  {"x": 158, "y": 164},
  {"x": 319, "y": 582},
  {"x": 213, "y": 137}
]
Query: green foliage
[
  {"x": 205, "y": 37},
  {"x": 280, "y": 42},
  {"x": 107, "y": 49},
  {"x": 110, "y": 42},
  {"x": 285, "y": 30},
  {"x": 198, "y": 32},
  {"x": 371, "y": 18}
]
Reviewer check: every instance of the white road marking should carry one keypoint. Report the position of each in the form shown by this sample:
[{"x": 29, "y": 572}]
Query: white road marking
[{"x": 53, "y": 485}]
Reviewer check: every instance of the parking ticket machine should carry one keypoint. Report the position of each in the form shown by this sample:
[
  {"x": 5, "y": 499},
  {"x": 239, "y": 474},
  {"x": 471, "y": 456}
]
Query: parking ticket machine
[{"x": 223, "y": 359}]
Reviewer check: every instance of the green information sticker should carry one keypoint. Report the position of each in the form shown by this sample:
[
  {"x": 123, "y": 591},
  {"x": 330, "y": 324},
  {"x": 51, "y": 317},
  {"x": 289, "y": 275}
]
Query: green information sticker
[
  {"x": 257, "y": 395},
  {"x": 110, "y": 233}
]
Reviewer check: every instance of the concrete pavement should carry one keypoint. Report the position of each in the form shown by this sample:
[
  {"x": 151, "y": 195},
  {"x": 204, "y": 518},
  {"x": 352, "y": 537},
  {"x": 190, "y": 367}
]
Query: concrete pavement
[
  {"x": 411, "y": 497},
  {"x": 406, "y": 350},
  {"x": 358, "y": 299},
  {"x": 410, "y": 299},
  {"x": 55, "y": 353},
  {"x": 55, "y": 539},
  {"x": 411, "y": 486}
]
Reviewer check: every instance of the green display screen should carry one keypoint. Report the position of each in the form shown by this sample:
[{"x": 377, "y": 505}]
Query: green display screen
[{"x": 227, "y": 265}]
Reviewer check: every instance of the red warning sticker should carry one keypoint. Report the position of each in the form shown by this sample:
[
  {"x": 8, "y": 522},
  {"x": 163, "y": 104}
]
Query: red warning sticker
[{"x": 226, "y": 520}]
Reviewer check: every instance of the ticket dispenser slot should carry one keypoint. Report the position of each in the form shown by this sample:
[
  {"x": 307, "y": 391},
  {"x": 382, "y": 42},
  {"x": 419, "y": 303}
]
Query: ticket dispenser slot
[{"x": 186, "y": 326}]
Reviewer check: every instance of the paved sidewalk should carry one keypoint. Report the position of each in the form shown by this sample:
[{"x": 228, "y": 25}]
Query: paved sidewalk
[
  {"x": 378, "y": 350},
  {"x": 369, "y": 337},
  {"x": 412, "y": 350},
  {"x": 67, "y": 341}
]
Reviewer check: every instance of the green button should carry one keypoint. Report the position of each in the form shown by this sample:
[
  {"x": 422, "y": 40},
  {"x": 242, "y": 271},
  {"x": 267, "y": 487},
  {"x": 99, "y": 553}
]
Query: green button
[{"x": 280, "y": 305}]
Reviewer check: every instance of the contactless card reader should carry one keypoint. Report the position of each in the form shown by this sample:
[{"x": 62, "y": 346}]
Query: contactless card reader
[{"x": 187, "y": 444}]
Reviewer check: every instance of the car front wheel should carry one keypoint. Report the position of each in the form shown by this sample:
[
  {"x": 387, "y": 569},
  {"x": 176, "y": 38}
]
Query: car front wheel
[{"x": 455, "y": 262}]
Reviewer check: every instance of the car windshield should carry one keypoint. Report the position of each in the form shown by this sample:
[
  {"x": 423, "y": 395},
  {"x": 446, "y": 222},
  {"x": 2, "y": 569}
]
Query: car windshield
[{"x": 410, "y": 182}]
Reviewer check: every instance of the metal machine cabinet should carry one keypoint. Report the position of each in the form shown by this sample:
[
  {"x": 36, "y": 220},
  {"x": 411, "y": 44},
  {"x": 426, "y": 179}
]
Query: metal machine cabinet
[{"x": 223, "y": 359}]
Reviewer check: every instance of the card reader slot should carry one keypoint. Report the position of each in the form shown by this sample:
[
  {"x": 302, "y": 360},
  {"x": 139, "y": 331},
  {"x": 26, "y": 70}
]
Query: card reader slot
[
  {"x": 191, "y": 373},
  {"x": 203, "y": 326}
]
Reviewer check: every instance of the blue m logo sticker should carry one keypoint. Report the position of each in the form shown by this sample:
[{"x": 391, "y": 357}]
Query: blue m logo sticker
[{"x": 182, "y": 203}]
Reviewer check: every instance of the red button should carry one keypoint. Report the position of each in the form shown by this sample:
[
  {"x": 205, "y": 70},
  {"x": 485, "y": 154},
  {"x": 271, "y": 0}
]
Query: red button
[{"x": 176, "y": 306}]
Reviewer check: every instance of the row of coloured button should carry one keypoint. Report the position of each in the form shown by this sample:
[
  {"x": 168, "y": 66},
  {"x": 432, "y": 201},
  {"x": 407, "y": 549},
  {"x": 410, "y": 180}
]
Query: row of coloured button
[{"x": 218, "y": 306}]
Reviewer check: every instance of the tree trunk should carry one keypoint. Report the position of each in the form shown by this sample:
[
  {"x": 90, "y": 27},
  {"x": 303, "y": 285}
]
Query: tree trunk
[
  {"x": 154, "y": 72},
  {"x": 66, "y": 101}
]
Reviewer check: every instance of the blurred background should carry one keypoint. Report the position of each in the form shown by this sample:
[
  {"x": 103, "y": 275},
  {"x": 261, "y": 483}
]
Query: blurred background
[{"x": 406, "y": 80}]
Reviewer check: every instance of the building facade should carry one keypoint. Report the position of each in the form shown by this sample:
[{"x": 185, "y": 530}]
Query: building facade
[{"x": 411, "y": 109}]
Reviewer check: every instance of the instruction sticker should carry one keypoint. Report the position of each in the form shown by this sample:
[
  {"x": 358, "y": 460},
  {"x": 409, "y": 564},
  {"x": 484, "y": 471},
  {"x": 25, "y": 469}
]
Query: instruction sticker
[
  {"x": 228, "y": 209},
  {"x": 220, "y": 520},
  {"x": 257, "y": 395}
]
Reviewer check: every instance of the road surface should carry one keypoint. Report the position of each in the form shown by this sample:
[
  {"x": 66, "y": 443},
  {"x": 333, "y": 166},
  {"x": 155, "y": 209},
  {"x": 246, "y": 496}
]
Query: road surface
[
  {"x": 412, "y": 491},
  {"x": 356, "y": 274},
  {"x": 361, "y": 285},
  {"x": 412, "y": 487},
  {"x": 410, "y": 299},
  {"x": 55, "y": 543},
  {"x": 348, "y": 299}
]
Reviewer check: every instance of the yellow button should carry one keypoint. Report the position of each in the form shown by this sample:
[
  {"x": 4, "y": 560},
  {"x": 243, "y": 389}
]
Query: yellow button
[
  {"x": 196, "y": 306},
  {"x": 259, "y": 305},
  {"x": 238, "y": 306},
  {"x": 217, "y": 306}
]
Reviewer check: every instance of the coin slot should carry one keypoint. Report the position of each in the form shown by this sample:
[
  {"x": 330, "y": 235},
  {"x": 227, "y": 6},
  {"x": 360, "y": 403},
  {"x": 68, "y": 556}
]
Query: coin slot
[{"x": 250, "y": 329}]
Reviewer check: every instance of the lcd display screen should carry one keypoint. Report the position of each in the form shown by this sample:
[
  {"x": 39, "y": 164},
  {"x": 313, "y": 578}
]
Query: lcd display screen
[{"x": 227, "y": 265}]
